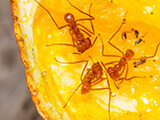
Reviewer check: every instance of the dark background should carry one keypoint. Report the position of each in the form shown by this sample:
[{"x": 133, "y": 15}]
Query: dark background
[{"x": 15, "y": 99}]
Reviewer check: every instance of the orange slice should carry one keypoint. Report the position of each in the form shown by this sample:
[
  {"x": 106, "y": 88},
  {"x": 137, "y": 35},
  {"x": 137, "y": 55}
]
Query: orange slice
[{"x": 51, "y": 83}]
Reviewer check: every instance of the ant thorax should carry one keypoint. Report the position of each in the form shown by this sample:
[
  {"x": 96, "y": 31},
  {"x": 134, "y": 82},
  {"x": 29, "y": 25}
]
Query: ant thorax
[
  {"x": 79, "y": 36},
  {"x": 118, "y": 67},
  {"x": 74, "y": 27},
  {"x": 88, "y": 76},
  {"x": 122, "y": 61},
  {"x": 97, "y": 70}
]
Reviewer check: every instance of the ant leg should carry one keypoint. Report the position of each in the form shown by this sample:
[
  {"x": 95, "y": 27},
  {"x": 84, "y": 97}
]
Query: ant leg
[
  {"x": 106, "y": 75},
  {"x": 128, "y": 79},
  {"x": 90, "y": 22},
  {"x": 148, "y": 56},
  {"x": 120, "y": 83},
  {"x": 99, "y": 88},
  {"x": 72, "y": 95},
  {"x": 110, "y": 62},
  {"x": 80, "y": 10},
  {"x": 91, "y": 59},
  {"x": 135, "y": 77},
  {"x": 85, "y": 32},
  {"x": 62, "y": 26},
  {"x": 110, "y": 92},
  {"x": 109, "y": 104},
  {"x": 83, "y": 19},
  {"x": 94, "y": 41},
  {"x": 74, "y": 63},
  {"x": 73, "y": 40},
  {"x": 77, "y": 53},
  {"x": 84, "y": 69},
  {"x": 115, "y": 84},
  {"x": 154, "y": 53},
  {"x": 61, "y": 44},
  {"x": 51, "y": 16},
  {"x": 70, "y": 62},
  {"x": 122, "y": 71},
  {"x": 123, "y": 22},
  {"x": 103, "y": 50},
  {"x": 95, "y": 82},
  {"x": 124, "y": 77}
]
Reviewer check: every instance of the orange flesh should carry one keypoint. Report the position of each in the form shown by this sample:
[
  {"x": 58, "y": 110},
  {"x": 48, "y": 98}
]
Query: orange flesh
[{"x": 136, "y": 99}]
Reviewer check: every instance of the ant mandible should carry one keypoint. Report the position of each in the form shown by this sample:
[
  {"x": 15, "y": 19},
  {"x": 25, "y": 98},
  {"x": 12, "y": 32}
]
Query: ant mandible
[
  {"x": 118, "y": 69},
  {"x": 92, "y": 77},
  {"x": 78, "y": 39}
]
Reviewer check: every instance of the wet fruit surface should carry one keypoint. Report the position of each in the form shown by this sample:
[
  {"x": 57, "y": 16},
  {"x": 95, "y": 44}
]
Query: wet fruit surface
[{"x": 136, "y": 99}]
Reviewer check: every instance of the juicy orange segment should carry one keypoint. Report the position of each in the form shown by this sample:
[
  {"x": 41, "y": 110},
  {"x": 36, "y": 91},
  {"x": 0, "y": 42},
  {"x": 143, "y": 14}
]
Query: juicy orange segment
[{"x": 51, "y": 83}]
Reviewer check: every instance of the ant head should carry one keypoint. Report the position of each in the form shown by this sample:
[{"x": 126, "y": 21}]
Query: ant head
[
  {"x": 129, "y": 54},
  {"x": 69, "y": 18},
  {"x": 85, "y": 88}
]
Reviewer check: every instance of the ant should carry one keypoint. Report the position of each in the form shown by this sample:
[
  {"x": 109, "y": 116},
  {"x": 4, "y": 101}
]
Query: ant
[
  {"x": 78, "y": 39},
  {"x": 92, "y": 77},
  {"x": 116, "y": 72},
  {"x": 136, "y": 35}
]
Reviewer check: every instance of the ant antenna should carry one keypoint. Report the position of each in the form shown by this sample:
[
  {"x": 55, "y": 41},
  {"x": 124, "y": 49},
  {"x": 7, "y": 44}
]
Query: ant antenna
[
  {"x": 79, "y": 9},
  {"x": 72, "y": 95},
  {"x": 124, "y": 20},
  {"x": 91, "y": 20}
]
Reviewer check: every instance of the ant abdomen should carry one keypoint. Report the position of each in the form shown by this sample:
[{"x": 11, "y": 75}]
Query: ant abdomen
[
  {"x": 84, "y": 45},
  {"x": 85, "y": 88},
  {"x": 113, "y": 73},
  {"x": 122, "y": 62}
]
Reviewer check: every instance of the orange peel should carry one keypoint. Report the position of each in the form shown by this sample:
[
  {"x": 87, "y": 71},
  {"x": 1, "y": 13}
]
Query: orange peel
[{"x": 51, "y": 84}]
